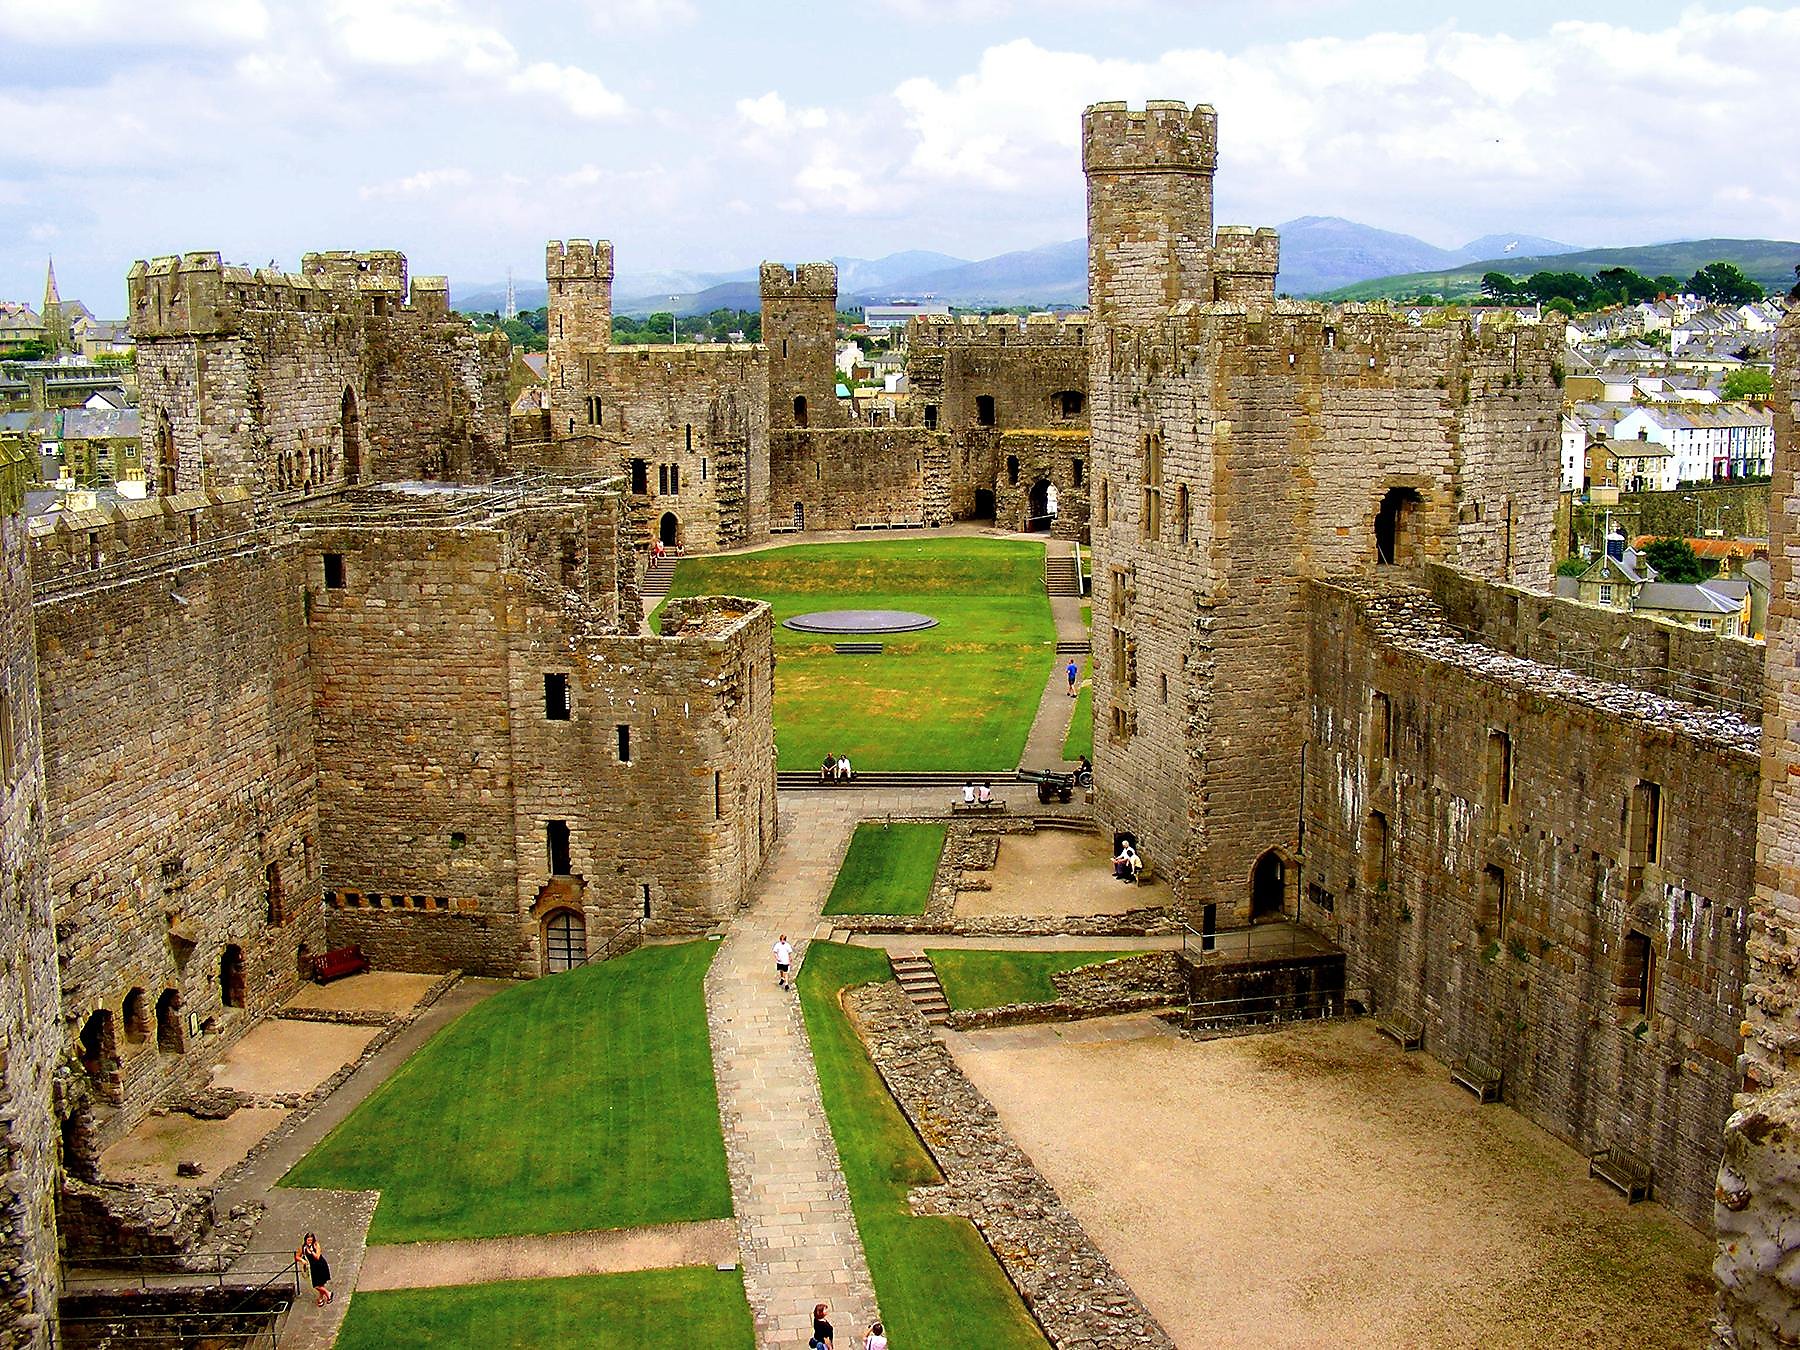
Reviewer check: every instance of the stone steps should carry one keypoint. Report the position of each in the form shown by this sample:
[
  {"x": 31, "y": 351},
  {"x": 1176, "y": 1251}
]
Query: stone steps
[
  {"x": 795, "y": 781},
  {"x": 657, "y": 577},
  {"x": 1060, "y": 576},
  {"x": 919, "y": 979}
]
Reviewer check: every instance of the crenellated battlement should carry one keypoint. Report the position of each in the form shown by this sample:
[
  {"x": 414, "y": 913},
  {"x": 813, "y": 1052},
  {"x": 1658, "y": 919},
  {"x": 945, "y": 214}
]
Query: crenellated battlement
[
  {"x": 578, "y": 260},
  {"x": 997, "y": 330},
  {"x": 77, "y": 548},
  {"x": 1166, "y": 136},
  {"x": 808, "y": 281},
  {"x": 199, "y": 295},
  {"x": 1244, "y": 262}
]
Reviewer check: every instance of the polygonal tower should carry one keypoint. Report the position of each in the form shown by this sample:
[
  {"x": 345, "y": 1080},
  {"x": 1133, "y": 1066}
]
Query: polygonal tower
[
  {"x": 579, "y": 276},
  {"x": 799, "y": 328}
]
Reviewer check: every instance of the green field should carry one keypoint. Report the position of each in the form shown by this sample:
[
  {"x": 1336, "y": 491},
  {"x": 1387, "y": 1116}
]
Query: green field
[
  {"x": 991, "y": 979},
  {"x": 957, "y": 697},
  {"x": 888, "y": 870},
  {"x": 936, "y": 1281},
  {"x": 655, "y": 1309},
  {"x": 1080, "y": 740},
  {"x": 584, "y": 1100}
]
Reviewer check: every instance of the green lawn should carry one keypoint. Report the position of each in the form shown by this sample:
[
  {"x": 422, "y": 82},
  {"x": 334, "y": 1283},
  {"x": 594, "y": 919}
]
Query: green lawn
[
  {"x": 888, "y": 870},
  {"x": 957, "y": 697},
  {"x": 936, "y": 1281},
  {"x": 1080, "y": 740},
  {"x": 655, "y": 1309},
  {"x": 584, "y": 1100},
  {"x": 988, "y": 979}
]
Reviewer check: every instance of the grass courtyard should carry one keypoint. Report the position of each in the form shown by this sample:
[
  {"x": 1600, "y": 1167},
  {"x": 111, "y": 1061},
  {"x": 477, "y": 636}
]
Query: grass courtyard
[
  {"x": 581, "y": 1101},
  {"x": 654, "y": 1309},
  {"x": 990, "y": 979},
  {"x": 888, "y": 870},
  {"x": 936, "y": 1281},
  {"x": 958, "y": 697}
]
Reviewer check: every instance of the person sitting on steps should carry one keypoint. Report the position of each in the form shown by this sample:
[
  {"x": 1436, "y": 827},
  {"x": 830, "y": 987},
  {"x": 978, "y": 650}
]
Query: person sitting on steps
[
  {"x": 986, "y": 794},
  {"x": 828, "y": 770},
  {"x": 969, "y": 793},
  {"x": 1126, "y": 862}
]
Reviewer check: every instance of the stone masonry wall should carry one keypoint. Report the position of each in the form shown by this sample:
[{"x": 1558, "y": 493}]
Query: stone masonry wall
[
  {"x": 849, "y": 476},
  {"x": 1028, "y": 458},
  {"x": 30, "y": 1027},
  {"x": 799, "y": 329},
  {"x": 1503, "y": 914},
  {"x": 179, "y": 773}
]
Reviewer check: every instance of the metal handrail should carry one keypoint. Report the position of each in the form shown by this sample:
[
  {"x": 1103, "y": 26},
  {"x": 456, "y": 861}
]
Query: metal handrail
[
  {"x": 1296, "y": 939},
  {"x": 1257, "y": 1009}
]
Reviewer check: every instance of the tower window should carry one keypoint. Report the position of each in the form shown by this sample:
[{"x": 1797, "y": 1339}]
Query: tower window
[
  {"x": 556, "y": 845},
  {"x": 624, "y": 733},
  {"x": 984, "y": 410},
  {"x": 556, "y": 696},
  {"x": 334, "y": 571}
]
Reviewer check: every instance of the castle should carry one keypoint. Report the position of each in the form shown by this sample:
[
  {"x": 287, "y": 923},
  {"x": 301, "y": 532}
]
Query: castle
[{"x": 371, "y": 667}]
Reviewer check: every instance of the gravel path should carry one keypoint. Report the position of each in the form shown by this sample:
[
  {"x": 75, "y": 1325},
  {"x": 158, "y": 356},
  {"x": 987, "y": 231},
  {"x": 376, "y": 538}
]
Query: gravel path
[{"x": 425, "y": 1265}]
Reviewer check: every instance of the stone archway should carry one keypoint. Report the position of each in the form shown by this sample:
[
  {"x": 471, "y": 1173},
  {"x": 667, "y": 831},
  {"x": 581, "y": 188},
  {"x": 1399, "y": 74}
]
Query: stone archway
[
  {"x": 668, "y": 530},
  {"x": 352, "y": 427},
  {"x": 1038, "y": 502},
  {"x": 565, "y": 940},
  {"x": 1397, "y": 528},
  {"x": 1268, "y": 888}
]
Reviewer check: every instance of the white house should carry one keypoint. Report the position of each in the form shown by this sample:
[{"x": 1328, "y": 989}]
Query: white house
[
  {"x": 1708, "y": 443},
  {"x": 1574, "y": 452}
]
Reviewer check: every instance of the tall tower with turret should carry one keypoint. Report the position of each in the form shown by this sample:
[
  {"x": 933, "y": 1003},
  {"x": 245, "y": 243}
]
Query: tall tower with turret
[
  {"x": 579, "y": 275},
  {"x": 799, "y": 328}
]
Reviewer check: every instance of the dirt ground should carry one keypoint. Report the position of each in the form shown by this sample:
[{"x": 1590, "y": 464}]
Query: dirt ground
[
  {"x": 372, "y": 991},
  {"x": 1057, "y": 872},
  {"x": 1317, "y": 1187},
  {"x": 151, "y": 1151},
  {"x": 278, "y": 1056}
]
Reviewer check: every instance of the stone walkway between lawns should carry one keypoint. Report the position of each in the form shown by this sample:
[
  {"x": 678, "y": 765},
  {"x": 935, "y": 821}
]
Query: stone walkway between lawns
[
  {"x": 1050, "y": 728},
  {"x": 430, "y": 1265},
  {"x": 797, "y": 1236}
]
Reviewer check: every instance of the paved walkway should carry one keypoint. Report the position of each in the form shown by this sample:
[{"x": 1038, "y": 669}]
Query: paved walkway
[
  {"x": 427, "y": 1265},
  {"x": 797, "y": 1236},
  {"x": 1044, "y": 746}
]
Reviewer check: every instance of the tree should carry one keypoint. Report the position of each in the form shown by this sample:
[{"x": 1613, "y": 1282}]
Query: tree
[
  {"x": 1724, "y": 283},
  {"x": 1561, "y": 305},
  {"x": 1668, "y": 285},
  {"x": 1750, "y": 382},
  {"x": 1674, "y": 560},
  {"x": 1499, "y": 286},
  {"x": 1572, "y": 566},
  {"x": 1627, "y": 286},
  {"x": 1571, "y": 286}
]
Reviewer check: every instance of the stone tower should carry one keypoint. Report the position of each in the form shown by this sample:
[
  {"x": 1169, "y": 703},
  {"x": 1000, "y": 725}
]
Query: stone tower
[
  {"x": 799, "y": 327},
  {"x": 1757, "y": 1207},
  {"x": 30, "y": 1027},
  {"x": 1239, "y": 446},
  {"x": 579, "y": 276},
  {"x": 1150, "y": 206}
]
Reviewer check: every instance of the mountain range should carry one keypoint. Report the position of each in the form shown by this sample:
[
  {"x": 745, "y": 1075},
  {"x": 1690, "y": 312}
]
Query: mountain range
[{"x": 1319, "y": 255}]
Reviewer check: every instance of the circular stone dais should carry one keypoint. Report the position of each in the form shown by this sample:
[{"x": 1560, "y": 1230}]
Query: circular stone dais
[{"x": 860, "y": 621}]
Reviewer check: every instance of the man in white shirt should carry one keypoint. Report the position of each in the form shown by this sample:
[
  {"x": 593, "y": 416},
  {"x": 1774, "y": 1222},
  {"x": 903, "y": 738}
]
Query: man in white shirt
[
  {"x": 784, "y": 957},
  {"x": 969, "y": 794}
]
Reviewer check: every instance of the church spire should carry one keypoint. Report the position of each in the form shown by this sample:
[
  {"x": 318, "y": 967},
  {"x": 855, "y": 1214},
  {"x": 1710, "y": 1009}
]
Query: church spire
[{"x": 56, "y": 332}]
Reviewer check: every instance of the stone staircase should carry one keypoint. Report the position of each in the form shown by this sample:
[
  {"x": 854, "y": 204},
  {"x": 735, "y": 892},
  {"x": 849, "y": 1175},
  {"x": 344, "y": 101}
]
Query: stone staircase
[
  {"x": 657, "y": 577},
  {"x": 790, "y": 780},
  {"x": 918, "y": 977},
  {"x": 1060, "y": 576}
]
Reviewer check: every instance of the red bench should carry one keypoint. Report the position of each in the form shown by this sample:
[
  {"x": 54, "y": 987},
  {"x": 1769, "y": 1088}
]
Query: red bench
[{"x": 336, "y": 964}]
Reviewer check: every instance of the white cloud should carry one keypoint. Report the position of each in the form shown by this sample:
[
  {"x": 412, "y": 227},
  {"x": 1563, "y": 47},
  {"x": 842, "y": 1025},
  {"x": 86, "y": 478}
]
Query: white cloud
[
  {"x": 770, "y": 113},
  {"x": 579, "y": 91},
  {"x": 608, "y": 14},
  {"x": 81, "y": 23},
  {"x": 825, "y": 182},
  {"x": 424, "y": 183}
]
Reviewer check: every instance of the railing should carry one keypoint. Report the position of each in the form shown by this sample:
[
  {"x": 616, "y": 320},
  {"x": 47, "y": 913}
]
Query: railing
[
  {"x": 1227, "y": 1014},
  {"x": 1081, "y": 581},
  {"x": 1271, "y": 940},
  {"x": 629, "y": 928},
  {"x": 229, "y": 1326},
  {"x": 179, "y": 1271}
]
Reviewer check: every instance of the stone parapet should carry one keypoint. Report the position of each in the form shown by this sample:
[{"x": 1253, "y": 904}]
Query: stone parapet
[
  {"x": 997, "y": 330},
  {"x": 1165, "y": 136},
  {"x": 807, "y": 281},
  {"x": 577, "y": 259}
]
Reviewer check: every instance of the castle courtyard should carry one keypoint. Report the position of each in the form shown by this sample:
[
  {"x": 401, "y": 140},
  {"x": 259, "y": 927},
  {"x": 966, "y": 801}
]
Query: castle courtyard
[{"x": 1316, "y": 1187}]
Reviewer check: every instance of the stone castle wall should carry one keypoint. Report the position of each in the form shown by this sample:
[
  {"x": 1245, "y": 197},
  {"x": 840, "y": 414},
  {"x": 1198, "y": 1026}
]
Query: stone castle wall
[
  {"x": 182, "y": 813},
  {"x": 30, "y": 1027},
  {"x": 799, "y": 329},
  {"x": 1501, "y": 914},
  {"x": 1029, "y": 458},
  {"x": 848, "y": 476}
]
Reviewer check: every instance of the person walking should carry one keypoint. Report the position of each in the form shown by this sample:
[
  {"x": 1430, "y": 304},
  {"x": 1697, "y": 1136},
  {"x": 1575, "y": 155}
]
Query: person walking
[
  {"x": 822, "y": 1333},
  {"x": 318, "y": 1269},
  {"x": 784, "y": 957},
  {"x": 1072, "y": 672}
]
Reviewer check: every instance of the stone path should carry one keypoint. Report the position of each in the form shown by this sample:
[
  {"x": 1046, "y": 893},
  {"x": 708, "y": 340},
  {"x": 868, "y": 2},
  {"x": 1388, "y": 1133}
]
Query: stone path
[
  {"x": 425, "y": 1265},
  {"x": 797, "y": 1236},
  {"x": 1044, "y": 746}
]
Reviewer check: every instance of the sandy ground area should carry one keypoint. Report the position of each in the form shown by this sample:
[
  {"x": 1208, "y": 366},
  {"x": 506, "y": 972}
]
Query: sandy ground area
[
  {"x": 421, "y": 1265},
  {"x": 1057, "y": 872},
  {"x": 1317, "y": 1187},
  {"x": 387, "y": 991},
  {"x": 151, "y": 1151},
  {"x": 280, "y": 1056}
]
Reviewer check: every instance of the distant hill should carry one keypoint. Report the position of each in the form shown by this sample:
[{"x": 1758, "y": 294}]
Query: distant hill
[
  {"x": 1321, "y": 253},
  {"x": 1055, "y": 274},
  {"x": 1768, "y": 262}
]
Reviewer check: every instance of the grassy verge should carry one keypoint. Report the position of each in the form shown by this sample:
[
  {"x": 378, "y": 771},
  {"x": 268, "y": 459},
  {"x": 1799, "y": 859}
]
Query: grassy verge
[
  {"x": 888, "y": 870},
  {"x": 960, "y": 696},
  {"x": 988, "y": 979},
  {"x": 661, "y": 1309},
  {"x": 936, "y": 1281},
  {"x": 1080, "y": 740},
  {"x": 585, "y": 1100}
]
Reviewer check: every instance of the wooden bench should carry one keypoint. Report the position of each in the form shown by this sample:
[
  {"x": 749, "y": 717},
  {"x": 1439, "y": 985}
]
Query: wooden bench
[
  {"x": 1478, "y": 1076},
  {"x": 337, "y": 963},
  {"x": 1625, "y": 1172},
  {"x": 959, "y": 806},
  {"x": 1408, "y": 1032},
  {"x": 857, "y": 648},
  {"x": 784, "y": 529}
]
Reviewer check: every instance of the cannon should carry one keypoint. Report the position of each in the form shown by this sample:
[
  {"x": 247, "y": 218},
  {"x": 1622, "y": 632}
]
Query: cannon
[{"x": 1053, "y": 785}]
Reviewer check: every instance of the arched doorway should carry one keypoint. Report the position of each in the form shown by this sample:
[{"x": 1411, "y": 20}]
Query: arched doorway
[
  {"x": 669, "y": 530},
  {"x": 565, "y": 941},
  {"x": 799, "y": 410},
  {"x": 984, "y": 504},
  {"x": 168, "y": 463},
  {"x": 99, "y": 1052},
  {"x": 1038, "y": 511},
  {"x": 171, "y": 1035},
  {"x": 352, "y": 438},
  {"x": 1268, "y": 888},
  {"x": 231, "y": 976},
  {"x": 1397, "y": 528}
]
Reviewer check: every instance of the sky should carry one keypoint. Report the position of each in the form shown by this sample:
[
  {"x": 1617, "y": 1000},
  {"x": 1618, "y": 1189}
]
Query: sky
[{"x": 711, "y": 134}]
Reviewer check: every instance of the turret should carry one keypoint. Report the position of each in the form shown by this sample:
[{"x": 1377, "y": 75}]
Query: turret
[
  {"x": 1150, "y": 206},
  {"x": 799, "y": 326},
  {"x": 579, "y": 277},
  {"x": 1245, "y": 262}
]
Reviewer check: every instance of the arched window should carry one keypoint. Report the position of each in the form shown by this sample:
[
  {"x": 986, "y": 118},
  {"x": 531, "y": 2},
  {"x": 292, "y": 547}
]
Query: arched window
[
  {"x": 137, "y": 1017},
  {"x": 800, "y": 410},
  {"x": 168, "y": 463},
  {"x": 352, "y": 432},
  {"x": 231, "y": 977},
  {"x": 593, "y": 410},
  {"x": 1012, "y": 470},
  {"x": 171, "y": 1035},
  {"x": 99, "y": 1052}
]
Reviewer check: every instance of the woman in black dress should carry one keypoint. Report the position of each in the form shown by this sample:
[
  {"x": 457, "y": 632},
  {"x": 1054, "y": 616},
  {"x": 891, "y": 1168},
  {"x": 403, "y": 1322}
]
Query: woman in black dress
[
  {"x": 821, "y": 1336},
  {"x": 318, "y": 1268}
]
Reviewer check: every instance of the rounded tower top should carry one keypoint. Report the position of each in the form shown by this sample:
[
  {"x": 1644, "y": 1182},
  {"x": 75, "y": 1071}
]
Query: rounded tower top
[{"x": 1166, "y": 137}]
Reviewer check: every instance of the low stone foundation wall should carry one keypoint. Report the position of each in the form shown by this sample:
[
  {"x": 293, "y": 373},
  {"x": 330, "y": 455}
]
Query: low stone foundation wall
[
  {"x": 1066, "y": 1283},
  {"x": 103, "y": 1220},
  {"x": 1754, "y": 1206},
  {"x": 1145, "y": 922},
  {"x": 1129, "y": 984}
]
